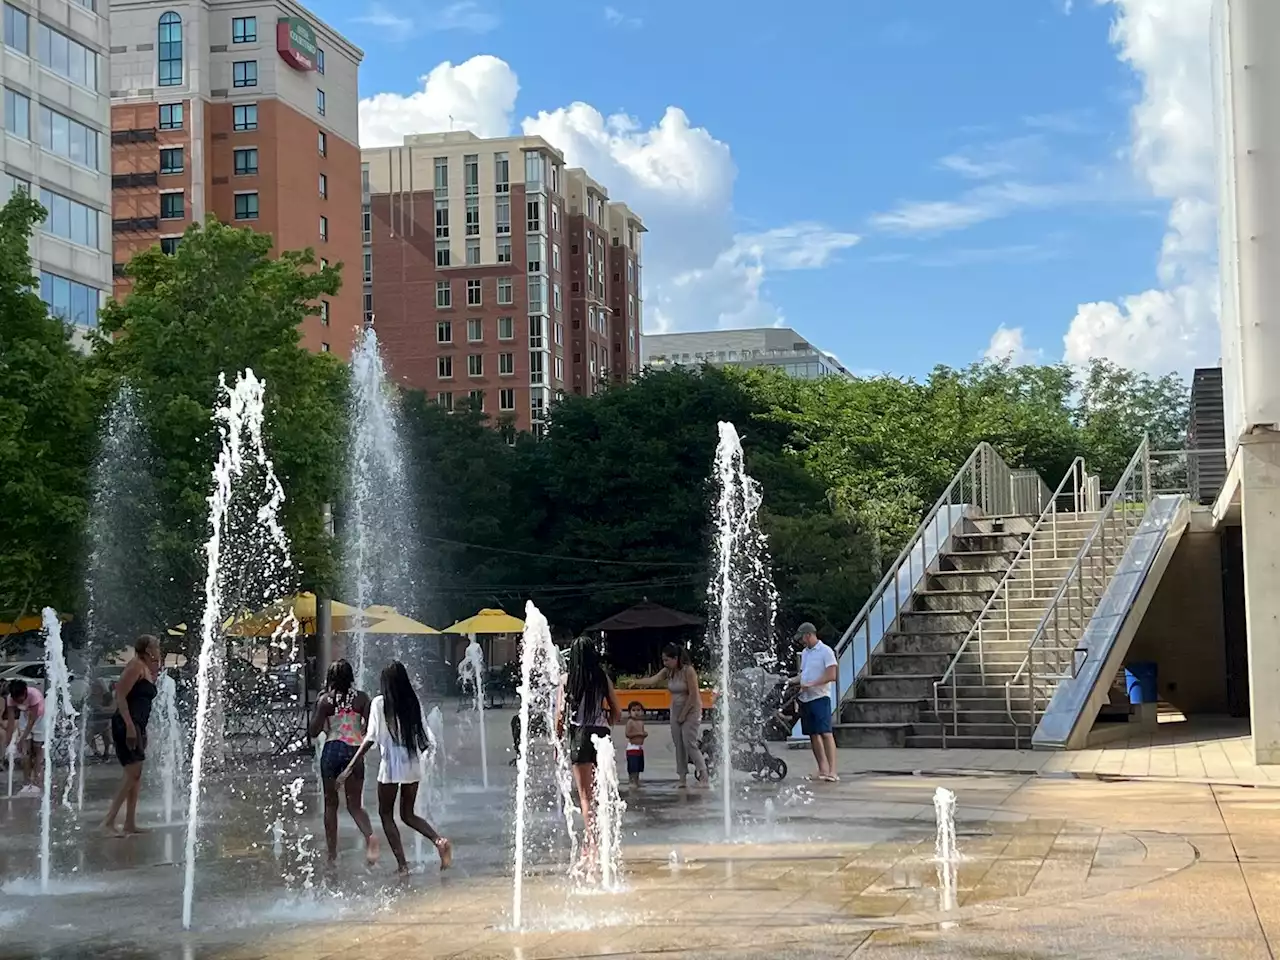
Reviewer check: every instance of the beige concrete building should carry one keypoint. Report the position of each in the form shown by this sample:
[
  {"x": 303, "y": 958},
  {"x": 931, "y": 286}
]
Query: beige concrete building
[
  {"x": 246, "y": 109},
  {"x": 56, "y": 114}
]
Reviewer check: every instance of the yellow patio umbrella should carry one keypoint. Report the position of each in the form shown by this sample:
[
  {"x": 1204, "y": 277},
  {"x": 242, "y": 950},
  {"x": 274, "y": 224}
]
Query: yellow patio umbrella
[
  {"x": 487, "y": 622},
  {"x": 27, "y": 624},
  {"x": 389, "y": 620},
  {"x": 266, "y": 621}
]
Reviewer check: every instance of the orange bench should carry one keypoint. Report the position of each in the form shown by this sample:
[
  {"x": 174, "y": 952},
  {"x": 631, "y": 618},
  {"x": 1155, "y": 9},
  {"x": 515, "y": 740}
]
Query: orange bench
[{"x": 658, "y": 701}]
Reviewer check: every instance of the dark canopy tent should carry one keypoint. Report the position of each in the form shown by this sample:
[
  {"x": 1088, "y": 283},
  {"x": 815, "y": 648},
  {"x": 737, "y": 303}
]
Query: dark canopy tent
[{"x": 647, "y": 626}]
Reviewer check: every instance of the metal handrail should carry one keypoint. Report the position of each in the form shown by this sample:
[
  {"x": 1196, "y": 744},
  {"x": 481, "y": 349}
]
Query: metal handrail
[
  {"x": 974, "y": 480},
  {"x": 1078, "y": 476},
  {"x": 1100, "y": 568}
]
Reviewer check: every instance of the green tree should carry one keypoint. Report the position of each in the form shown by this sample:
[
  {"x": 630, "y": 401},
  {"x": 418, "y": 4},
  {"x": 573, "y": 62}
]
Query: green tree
[
  {"x": 220, "y": 304},
  {"x": 1117, "y": 406},
  {"x": 45, "y": 428}
]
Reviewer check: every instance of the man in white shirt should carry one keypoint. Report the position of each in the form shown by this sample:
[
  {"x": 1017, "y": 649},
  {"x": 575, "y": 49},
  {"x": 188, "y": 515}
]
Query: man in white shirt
[{"x": 818, "y": 671}]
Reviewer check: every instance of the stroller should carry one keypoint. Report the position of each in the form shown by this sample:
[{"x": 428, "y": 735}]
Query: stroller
[{"x": 769, "y": 713}]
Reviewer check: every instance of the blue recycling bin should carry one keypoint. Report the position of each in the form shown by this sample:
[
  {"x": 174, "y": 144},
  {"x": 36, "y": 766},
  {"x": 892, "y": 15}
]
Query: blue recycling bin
[{"x": 1140, "y": 681}]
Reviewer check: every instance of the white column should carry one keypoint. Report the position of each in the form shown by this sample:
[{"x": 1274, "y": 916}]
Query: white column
[{"x": 1260, "y": 517}]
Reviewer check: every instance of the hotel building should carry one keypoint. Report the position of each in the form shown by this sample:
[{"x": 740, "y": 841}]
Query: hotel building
[
  {"x": 476, "y": 258},
  {"x": 247, "y": 110},
  {"x": 56, "y": 118}
]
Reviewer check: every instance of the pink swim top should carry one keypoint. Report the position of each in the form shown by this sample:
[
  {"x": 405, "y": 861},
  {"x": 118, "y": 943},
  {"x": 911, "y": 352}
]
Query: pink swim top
[
  {"x": 346, "y": 725},
  {"x": 33, "y": 706}
]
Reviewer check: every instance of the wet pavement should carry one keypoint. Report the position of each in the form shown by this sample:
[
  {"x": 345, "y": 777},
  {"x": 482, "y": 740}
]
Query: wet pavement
[{"x": 1052, "y": 866}]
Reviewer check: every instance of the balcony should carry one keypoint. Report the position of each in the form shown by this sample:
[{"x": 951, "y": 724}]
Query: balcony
[
  {"x": 134, "y": 135},
  {"x": 135, "y": 224},
  {"x": 123, "y": 181}
]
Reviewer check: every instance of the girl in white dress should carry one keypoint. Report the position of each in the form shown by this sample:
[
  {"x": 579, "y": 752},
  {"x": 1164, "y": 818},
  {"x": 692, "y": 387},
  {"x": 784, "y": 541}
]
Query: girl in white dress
[{"x": 396, "y": 727}]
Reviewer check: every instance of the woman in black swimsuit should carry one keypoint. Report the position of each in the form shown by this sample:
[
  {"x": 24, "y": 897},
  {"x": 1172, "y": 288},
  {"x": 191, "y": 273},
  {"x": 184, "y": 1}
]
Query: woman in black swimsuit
[{"x": 134, "y": 692}]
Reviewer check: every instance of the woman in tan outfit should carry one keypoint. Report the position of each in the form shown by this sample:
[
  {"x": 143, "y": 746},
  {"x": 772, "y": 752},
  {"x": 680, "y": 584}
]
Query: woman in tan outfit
[{"x": 681, "y": 680}]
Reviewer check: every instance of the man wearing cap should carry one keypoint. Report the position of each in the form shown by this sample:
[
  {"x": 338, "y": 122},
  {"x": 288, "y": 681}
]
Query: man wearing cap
[{"x": 818, "y": 671}]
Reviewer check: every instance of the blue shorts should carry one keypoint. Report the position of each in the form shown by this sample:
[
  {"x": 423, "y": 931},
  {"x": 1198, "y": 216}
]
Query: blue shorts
[
  {"x": 815, "y": 716},
  {"x": 635, "y": 764}
]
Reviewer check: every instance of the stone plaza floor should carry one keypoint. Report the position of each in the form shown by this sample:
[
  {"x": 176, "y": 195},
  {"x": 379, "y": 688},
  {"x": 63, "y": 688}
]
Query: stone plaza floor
[{"x": 1128, "y": 858}]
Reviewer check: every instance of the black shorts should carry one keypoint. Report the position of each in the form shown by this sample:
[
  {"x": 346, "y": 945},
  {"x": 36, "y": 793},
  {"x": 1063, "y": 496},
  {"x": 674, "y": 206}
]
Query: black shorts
[
  {"x": 126, "y": 754},
  {"x": 336, "y": 757},
  {"x": 635, "y": 764},
  {"x": 581, "y": 749}
]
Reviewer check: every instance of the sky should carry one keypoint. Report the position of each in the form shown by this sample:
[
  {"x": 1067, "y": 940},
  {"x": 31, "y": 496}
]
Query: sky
[{"x": 905, "y": 182}]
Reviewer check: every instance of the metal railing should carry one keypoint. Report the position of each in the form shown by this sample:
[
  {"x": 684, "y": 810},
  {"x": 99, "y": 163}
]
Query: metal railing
[
  {"x": 1199, "y": 474},
  {"x": 1075, "y": 488},
  {"x": 1053, "y": 648},
  {"x": 985, "y": 483}
]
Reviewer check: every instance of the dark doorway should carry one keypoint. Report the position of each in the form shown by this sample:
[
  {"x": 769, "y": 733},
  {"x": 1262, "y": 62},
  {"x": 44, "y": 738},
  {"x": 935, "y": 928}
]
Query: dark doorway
[{"x": 1234, "y": 626}]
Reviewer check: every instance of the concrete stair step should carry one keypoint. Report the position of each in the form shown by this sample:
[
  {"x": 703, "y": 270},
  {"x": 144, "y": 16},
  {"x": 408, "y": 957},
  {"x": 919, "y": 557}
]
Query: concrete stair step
[
  {"x": 934, "y": 742},
  {"x": 910, "y": 664},
  {"x": 937, "y": 621},
  {"x": 895, "y": 687},
  {"x": 947, "y": 643},
  {"x": 883, "y": 711},
  {"x": 976, "y": 560},
  {"x": 871, "y": 734}
]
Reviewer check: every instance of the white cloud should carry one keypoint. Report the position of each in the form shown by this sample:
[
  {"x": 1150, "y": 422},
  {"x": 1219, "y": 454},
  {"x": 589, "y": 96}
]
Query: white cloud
[
  {"x": 1009, "y": 344},
  {"x": 616, "y": 18},
  {"x": 975, "y": 169},
  {"x": 987, "y": 202},
  {"x": 1167, "y": 44},
  {"x": 466, "y": 16},
  {"x": 699, "y": 271}
]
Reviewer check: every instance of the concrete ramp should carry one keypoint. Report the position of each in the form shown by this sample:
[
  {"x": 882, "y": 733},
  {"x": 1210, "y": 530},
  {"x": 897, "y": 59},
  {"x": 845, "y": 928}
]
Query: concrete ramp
[{"x": 1102, "y": 649}]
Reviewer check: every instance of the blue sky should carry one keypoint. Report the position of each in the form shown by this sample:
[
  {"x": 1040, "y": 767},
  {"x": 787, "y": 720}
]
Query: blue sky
[{"x": 906, "y": 182}]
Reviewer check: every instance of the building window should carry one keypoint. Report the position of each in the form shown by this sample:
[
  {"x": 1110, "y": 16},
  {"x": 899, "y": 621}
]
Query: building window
[
  {"x": 17, "y": 29},
  {"x": 473, "y": 293},
  {"x": 245, "y": 116},
  {"x": 70, "y": 219},
  {"x": 324, "y": 186},
  {"x": 473, "y": 253},
  {"x": 171, "y": 160},
  {"x": 324, "y": 264},
  {"x": 534, "y": 216},
  {"x": 17, "y": 114},
  {"x": 501, "y": 173},
  {"x": 473, "y": 216},
  {"x": 504, "y": 251},
  {"x": 555, "y": 256},
  {"x": 535, "y": 333},
  {"x": 444, "y": 294},
  {"x": 74, "y": 61},
  {"x": 244, "y": 73},
  {"x": 475, "y": 365},
  {"x": 246, "y": 206},
  {"x": 442, "y": 219},
  {"x": 320, "y": 61},
  {"x": 559, "y": 333},
  {"x": 442, "y": 177},
  {"x": 631, "y": 272},
  {"x": 506, "y": 364},
  {"x": 322, "y": 144},
  {"x": 445, "y": 399},
  {"x": 366, "y": 222},
  {"x": 320, "y": 102},
  {"x": 171, "y": 206},
  {"x": 555, "y": 295},
  {"x": 559, "y": 369},
  {"x": 471, "y": 174},
  {"x": 555, "y": 217},
  {"x": 324, "y": 348},
  {"x": 536, "y": 303},
  {"x": 444, "y": 331},
  {"x": 631, "y": 306},
  {"x": 170, "y": 50},
  {"x": 324, "y": 313},
  {"x": 170, "y": 116},
  {"x": 324, "y": 229},
  {"x": 444, "y": 367},
  {"x": 506, "y": 291},
  {"x": 507, "y": 397},
  {"x": 244, "y": 29},
  {"x": 502, "y": 215},
  {"x": 442, "y": 254},
  {"x": 534, "y": 253},
  {"x": 368, "y": 306},
  {"x": 535, "y": 366},
  {"x": 475, "y": 330},
  {"x": 533, "y": 170},
  {"x": 476, "y": 398},
  {"x": 368, "y": 267},
  {"x": 246, "y": 160},
  {"x": 506, "y": 328},
  {"x": 72, "y": 302},
  {"x": 169, "y": 245}
]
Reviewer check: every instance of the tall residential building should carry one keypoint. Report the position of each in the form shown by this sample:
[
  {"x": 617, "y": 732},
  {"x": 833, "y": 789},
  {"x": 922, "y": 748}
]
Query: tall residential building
[
  {"x": 465, "y": 255},
  {"x": 247, "y": 110},
  {"x": 625, "y": 230},
  {"x": 779, "y": 347},
  {"x": 56, "y": 118},
  {"x": 475, "y": 263}
]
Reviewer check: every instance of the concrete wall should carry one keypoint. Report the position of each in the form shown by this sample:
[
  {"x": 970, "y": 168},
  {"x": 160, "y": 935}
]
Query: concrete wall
[{"x": 1183, "y": 630}]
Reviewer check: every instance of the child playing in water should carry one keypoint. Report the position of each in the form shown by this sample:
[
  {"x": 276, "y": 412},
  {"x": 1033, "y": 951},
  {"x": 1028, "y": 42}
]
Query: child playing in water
[{"x": 636, "y": 735}]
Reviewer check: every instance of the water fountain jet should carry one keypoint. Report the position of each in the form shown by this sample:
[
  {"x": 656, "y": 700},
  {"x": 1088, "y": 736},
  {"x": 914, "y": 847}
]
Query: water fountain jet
[
  {"x": 471, "y": 674},
  {"x": 58, "y": 713}
]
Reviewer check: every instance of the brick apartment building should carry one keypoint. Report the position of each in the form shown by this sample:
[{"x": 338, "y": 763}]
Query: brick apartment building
[
  {"x": 468, "y": 257},
  {"x": 246, "y": 110}
]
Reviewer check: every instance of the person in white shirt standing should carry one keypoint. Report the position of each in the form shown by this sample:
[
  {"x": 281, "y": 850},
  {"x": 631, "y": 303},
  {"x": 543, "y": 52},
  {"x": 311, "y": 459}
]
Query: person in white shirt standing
[{"x": 818, "y": 671}]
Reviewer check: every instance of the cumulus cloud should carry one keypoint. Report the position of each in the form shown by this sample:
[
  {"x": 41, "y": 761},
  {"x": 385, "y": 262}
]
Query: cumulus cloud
[
  {"x": 616, "y": 18},
  {"x": 699, "y": 271},
  {"x": 1174, "y": 326},
  {"x": 1009, "y": 344}
]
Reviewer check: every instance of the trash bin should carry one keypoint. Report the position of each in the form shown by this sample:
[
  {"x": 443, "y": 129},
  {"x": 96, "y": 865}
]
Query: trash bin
[{"x": 1140, "y": 681}]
